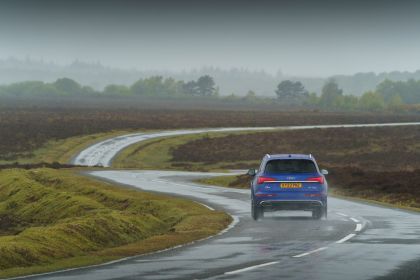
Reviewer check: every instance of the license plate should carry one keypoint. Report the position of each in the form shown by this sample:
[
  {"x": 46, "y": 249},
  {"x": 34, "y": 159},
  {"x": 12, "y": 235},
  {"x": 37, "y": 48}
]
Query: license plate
[{"x": 290, "y": 185}]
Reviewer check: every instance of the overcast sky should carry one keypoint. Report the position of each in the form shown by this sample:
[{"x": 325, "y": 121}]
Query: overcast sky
[{"x": 310, "y": 38}]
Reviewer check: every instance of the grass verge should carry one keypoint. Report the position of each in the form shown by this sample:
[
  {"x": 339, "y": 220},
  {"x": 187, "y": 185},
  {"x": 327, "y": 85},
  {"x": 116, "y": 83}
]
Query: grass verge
[
  {"x": 63, "y": 150},
  {"x": 228, "y": 181},
  {"x": 55, "y": 219}
]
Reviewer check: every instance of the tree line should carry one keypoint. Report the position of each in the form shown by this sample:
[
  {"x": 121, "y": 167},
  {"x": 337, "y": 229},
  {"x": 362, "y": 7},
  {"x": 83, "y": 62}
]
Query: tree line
[
  {"x": 152, "y": 86},
  {"x": 388, "y": 94}
]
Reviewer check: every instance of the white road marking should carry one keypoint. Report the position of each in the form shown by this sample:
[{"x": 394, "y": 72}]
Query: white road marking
[
  {"x": 234, "y": 222},
  {"x": 354, "y": 220},
  {"x": 341, "y": 214},
  {"x": 310, "y": 252},
  {"x": 358, "y": 227},
  {"x": 208, "y": 207},
  {"x": 351, "y": 235},
  {"x": 250, "y": 268},
  {"x": 160, "y": 181}
]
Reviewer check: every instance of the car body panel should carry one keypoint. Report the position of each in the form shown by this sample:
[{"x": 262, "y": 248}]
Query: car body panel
[{"x": 289, "y": 191}]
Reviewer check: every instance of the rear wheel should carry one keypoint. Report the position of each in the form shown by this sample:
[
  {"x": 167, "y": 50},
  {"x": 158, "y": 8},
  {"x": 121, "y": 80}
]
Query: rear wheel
[
  {"x": 317, "y": 213},
  {"x": 325, "y": 211},
  {"x": 257, "y": 212}
]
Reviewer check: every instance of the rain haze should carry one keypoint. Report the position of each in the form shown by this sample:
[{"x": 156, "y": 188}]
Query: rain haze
[
  {"x": 299, "y": 38},
  {"x": 211, "y": 139}
]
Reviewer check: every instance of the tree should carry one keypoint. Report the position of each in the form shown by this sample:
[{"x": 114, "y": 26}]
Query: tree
[
  {"x": 68, "y": 86},
  {"x": 409, "y": 91},
  {"x": 332, "y": 95},
  {"x": 190, "y": 88},
  {"x": 395, "y": 103},
  {"x": 172, "y": 87},
  {"x": 88, "y": 90},
  {"x": 350, "y": 102},
  {"x": 387, "y": 89},
  {"x": 290, "y": 92},
  {"x": 138, "y": 87},
  {"x": 312, "y": 99},
  {"x": 205, "y": 86},
  {"x": 117, "y": 90},
  {"x": 149, "y": 86},
  {"x": 154, "y": 85},
  {"x": 372, "y": 101}
]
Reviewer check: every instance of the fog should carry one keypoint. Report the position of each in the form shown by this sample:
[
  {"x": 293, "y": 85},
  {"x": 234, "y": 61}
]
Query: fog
[{"x": 300, "y": 38}]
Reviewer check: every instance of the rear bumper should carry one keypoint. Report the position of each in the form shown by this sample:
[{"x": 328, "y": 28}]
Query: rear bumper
[{"x": 291, "y": 204}]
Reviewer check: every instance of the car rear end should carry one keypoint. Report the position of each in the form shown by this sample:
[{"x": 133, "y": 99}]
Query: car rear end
[{"x": 290, "y": 183}]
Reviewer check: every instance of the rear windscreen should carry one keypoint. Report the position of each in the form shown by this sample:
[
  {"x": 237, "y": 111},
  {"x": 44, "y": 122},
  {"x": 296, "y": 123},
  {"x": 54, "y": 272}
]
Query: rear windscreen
[{"x": 290, "y": 166}]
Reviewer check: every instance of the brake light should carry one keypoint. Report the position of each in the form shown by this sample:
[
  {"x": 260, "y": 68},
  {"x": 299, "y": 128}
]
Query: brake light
[
  {"x": 319, "y": 179},
  {"x": 265, "y": 180}
]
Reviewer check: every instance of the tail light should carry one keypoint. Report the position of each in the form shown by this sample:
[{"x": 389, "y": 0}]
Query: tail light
[
  {"x": 264, "y": 180},
  {"x": 319, "y": 179}
]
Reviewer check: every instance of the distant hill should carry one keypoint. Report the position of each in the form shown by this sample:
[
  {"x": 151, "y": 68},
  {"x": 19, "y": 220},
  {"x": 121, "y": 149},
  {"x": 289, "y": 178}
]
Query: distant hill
[{"x": 237, "y": 81}]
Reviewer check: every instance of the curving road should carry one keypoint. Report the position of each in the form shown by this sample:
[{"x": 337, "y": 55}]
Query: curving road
[
  {"x": 103, "y": 152},
  {"x": 358, "y": 241}
]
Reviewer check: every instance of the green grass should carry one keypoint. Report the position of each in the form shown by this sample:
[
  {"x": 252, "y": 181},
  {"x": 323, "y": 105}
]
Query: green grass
[
  {"x": 52, "y": 220},
  {"x": 228, "y": 181},
  {"x": 63, "y": 150},
  {"x": 155, "y": 154}
]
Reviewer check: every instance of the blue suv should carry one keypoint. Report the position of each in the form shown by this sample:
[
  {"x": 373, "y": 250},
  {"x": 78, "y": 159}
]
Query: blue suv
[{"x": 288, "y": 182}]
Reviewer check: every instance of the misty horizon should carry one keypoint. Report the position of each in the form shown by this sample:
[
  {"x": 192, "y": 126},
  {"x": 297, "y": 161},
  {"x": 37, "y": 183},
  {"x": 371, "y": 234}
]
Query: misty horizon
[
  {"x": 279, "y": 73},
  {"x": 298, "y": 38}
]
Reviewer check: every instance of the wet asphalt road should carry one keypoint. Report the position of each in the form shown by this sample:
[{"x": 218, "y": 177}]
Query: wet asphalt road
[{"x": 358, "y": 241}]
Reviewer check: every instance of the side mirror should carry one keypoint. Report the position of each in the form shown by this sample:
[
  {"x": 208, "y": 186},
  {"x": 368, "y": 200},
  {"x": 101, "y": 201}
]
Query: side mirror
[
  {"x": 252, "y": 172},
  {"x": 324, "y": 171}
]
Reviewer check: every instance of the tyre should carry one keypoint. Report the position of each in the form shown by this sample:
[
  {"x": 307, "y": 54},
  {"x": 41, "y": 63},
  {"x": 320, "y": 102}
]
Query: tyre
[
  {"x": 317, "y": 213},
  {"x": 325, "y": 211},
  {"x": 257, "y": 212}
]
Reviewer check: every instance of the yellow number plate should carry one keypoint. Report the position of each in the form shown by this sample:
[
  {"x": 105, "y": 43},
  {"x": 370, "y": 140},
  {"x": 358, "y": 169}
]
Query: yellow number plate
[{"x": 290, "y": 185}]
